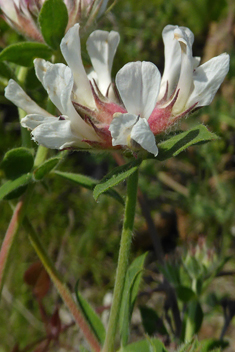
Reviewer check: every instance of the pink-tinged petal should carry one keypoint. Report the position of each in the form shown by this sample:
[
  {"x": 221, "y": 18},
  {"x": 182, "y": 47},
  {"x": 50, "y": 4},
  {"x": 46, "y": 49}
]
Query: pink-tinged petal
[
  {"x": 102, "y": 46},
  {"x": 138, "y": 84},
  {"x": 56, "y": 135},
  {"x": 207, "y": 79},
  {"x": 121, "y": 127},
  {"x": 142, "y": 134},
  {"x": 71, "y": 50},
  {"x": 15, "y": 93}
]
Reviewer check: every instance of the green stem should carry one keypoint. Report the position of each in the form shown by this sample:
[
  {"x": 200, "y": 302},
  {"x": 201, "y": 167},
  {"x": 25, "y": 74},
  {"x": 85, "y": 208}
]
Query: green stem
[
  {"x": 125, "y": 245},
  {"x": 41, "y": 155},
  {"x": 25, "y": 134},
  {"x": 61, "y": 287}
]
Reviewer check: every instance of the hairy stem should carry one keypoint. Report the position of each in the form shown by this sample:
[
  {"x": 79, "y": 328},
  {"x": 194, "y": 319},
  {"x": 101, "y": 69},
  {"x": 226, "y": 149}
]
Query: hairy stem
[
  {"x": 132, "y": 186},
  {"x": 12, "y": 231}
]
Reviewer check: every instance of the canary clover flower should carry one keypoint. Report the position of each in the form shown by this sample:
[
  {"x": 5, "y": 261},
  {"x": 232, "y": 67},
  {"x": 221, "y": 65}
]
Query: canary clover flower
[
  {"x": 95, "y": 113},
  {"x": 22, "y": 15}
]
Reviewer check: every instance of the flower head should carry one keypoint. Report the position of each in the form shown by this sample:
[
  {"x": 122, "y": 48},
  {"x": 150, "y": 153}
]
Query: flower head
[
  {"x": 22, "y": 15},
  {"x": 96, "y": 113}
]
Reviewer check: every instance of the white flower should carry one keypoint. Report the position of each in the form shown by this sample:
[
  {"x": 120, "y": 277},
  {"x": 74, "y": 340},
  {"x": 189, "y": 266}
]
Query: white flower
[
  {"x": 185, "y": 85},
  {"x": 67, "y": 85},
  {"x": 93, "y": 116}
]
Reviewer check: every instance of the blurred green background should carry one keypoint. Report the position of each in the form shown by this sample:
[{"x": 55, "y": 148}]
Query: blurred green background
[{"x": 189, "y": 197}]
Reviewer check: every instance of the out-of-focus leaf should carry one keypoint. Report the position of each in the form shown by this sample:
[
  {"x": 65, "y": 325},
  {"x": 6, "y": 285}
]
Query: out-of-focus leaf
[
  {"x": 184, "y": 293},
  {"x": 116, "y": 176},
  {"x": 93, "y": 319},
  {"x": 11, "y": 186},
  {"x": 193, "y": 319},
  {"x": 209, "y": 345},
  {"x": 37, "y": 277},
  {"x": 17, "y": 162},
  {"x": 130, "y": 291},
  {"x": 6, "y": 71},
  {"x": 45, "y": 168},
  {"x": 24, "y": 53},
  {"x": 148, "y": 345},
  {"x": 53, "y": 19},
  {"x": 89, "y": 183},
  {"x": 152, "y": 322},
  {"x": 175, "y": 145},
  {"x": 214, "y": 272},
  {"x": 171, "y": 273},
  {"x": 194, "y": 268}
]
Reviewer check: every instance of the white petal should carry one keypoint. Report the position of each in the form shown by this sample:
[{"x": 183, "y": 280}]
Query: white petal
[
  {"x": 172, "y": 61},
  {"x": 16, "y": 94},
  {"x": 102, "y": 46},
  {"x": 142, "y": 134},
  {"x": 41, "y": 66},
  {"x": 207, "y": 80},
  {"x": 172, "y": 54},
  {"x": 71, "y": 50},
  {"x": 185, "y": 84},
  {"x": 58, "y": 81},
  {"x": 34, "y": 120},
  {"x": 138, "y": 84},
  {"x": 9, "y": 9},
  {"x": 121, "y": 127},
  {"x": 56, "y": 135},
  {"x": 196, "y": 61}
]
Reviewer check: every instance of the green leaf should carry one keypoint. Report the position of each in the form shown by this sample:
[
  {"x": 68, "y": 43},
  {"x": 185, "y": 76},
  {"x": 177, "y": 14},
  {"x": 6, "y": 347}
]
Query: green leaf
[
  {"x": 89, "y": 183},
  {"x": 11, "y": 186},
  {"x": 148, "y": 345},
  {"x": 92, "y": 318},
  {"x": 184, "y": 293},
  {"x": 151, "y": 321},
  {"x": 114, "y": 177},
  {"x": 24, "y": 53},
  {"x": 17, "y": 162},
  {"x": 45, "y": 168},
  {"x": 53, "y": 20},
  {"x": 84, "y": 181},
  {"x": 175, "y": 145},
  {"x": 129, "y": 295}
]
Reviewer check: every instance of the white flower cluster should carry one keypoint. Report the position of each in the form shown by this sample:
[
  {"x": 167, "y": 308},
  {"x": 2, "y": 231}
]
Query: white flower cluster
[{"x": 127, "y": 114}]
